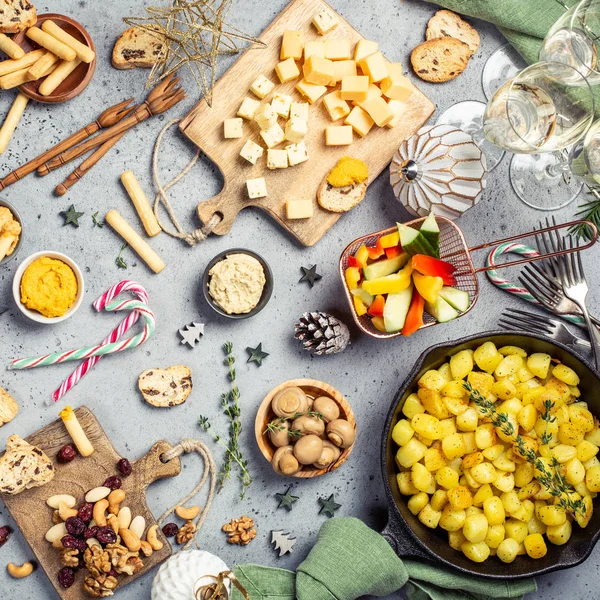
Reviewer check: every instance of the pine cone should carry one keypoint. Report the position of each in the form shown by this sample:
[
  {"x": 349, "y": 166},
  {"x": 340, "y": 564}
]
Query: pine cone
[{"x": 321, "y": 333}]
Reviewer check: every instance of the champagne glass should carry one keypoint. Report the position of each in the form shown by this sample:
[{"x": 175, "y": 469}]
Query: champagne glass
[
  {"x": 503, "y": 64},
  {"x": 537, "y": 115},
  {"x": 585, "y": 157}
]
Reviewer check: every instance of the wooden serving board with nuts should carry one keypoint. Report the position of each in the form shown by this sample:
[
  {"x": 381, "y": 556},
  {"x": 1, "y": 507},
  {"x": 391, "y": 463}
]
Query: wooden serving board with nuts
[{"x": 34, "y": 517}]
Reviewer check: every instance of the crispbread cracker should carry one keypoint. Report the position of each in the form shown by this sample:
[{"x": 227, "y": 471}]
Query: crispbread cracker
[
  {"x": 137, "y": 48},
  {"x": 340, "y": 199},
  {"x": 445, "y": 23},
  {"x": 164, "y": 388},
  {"x": 8, "y": 407},
  {"x": 440, "y": 60},
  {"x": 16, "y": 16}
]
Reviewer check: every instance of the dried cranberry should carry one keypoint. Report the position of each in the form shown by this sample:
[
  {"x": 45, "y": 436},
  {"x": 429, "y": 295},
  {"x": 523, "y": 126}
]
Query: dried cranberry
[
  {"x": 66, "y": 577},
  {"x": 124, "y": 467},
  {"x": 75, "y": 526},
  {"x": 85, "y": 512},
  {"x": 68, "y": 541},
  {"x": 114, "y": 482},
  {"x": 91, "y": 532},
  {"x": 106, "y": 535},
  {"x": 4, "y": 533},
  {"x": 66, "y": 454},
  {"x": 170, "y": 529},
  {"x": 113, "y": 573}
]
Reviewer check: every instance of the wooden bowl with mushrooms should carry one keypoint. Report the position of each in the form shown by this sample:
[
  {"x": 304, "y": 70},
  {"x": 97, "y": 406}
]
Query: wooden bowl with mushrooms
[{"x": 305, "y": 428}]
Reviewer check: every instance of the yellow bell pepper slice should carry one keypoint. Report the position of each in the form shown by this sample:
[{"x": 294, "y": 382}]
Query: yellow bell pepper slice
[
  {"x": 359, "y": 306},
  {"x": 362, "y": 255},
  {"x": 390, "y": 284},
  {"x": 429, "y": 287},
  {"x": 378, "y": 323},
  {"x": 352, "y": 275},
  {"x": 390, "y": 240}
]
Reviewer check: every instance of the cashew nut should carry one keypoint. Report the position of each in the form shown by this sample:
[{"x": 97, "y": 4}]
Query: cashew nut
[
  {"x": 114, "y": 500},
  {"x": 99, "y": 512},
  {"x": 24, "y": 570},
  {"x": 187, "y": 514},
  {"x": 131, "y": 540},
  {"x": 113, "y": 523},
  {"x": 145, "y": 548},
  {"x": 152, "y": 538},
  {"x": 64, "y": 511}
]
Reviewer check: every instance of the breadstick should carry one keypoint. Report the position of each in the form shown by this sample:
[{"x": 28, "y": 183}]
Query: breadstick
[
  {"x": 85, "y": 53},
  {"x": 41, "y": 66},
  {"x": 118, "y": 223},
  {"x": 64, "y": 69},
  {"x": 10, "y": 48},
  {"x": 12, "y": 120},
  {"x": 51, "y": 43},
  {"x": 6, "y": 241},
  {"x": 142, "y": 206},
  {"x": 20, "y": 77},
  {"x": 69, "y": 418},
  {"x": 10, "y": 66}
]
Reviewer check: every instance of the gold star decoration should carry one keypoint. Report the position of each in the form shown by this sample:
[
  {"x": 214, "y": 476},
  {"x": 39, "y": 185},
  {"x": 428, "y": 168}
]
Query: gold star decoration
[{"x": 195, "y": 33}]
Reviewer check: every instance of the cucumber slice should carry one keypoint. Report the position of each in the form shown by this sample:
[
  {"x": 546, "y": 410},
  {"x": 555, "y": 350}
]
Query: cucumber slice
[
  {"x": 363, "y": 295},
  {"x": 441, "y": 311},
  {"x": 396, "y": 308},
  {"x": 381, "y": 268},
  {"x": 458, "y": 299},
  {"x": 431, "y": 232},
  {"x": 413, "y": 241}
]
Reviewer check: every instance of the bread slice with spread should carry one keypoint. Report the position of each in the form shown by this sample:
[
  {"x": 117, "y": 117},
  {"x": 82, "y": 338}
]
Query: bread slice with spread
[{"x": 345, "y": 186}]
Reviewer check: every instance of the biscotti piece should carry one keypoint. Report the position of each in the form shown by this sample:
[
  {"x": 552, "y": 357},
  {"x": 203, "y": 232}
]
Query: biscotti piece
[
  {"x": 23, "y": 466},
  {"x": 8, "y": 407},
  {"x": 16, "y": 15},
  {"x": 340, "y": 199},
  {"x": 137, "y": 48},
  {"x": 166, "y": 387},
  {"x": 440, "y": 60},
  {"x": 445, "y": 23}
]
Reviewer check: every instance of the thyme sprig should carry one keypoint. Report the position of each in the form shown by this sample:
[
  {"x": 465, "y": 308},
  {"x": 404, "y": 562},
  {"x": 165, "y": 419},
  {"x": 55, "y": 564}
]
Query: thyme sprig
[
  {"x": 120, "y": 261},
  {"x": 554, "y": 481},
  {"x": 278, "y": 424}
]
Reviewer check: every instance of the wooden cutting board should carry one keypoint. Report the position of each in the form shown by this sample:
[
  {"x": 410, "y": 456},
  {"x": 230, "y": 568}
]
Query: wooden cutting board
[
  {"x": 204, "y": 126},
  {"x": 34, "y": 517}
]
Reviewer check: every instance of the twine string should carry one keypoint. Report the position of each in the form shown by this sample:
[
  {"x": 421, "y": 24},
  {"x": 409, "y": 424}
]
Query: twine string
[{"x": 218, "y": 590}]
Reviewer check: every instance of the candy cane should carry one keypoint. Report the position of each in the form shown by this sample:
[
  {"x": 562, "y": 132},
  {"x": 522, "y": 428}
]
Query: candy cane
[{"x": 116, "y": 334}]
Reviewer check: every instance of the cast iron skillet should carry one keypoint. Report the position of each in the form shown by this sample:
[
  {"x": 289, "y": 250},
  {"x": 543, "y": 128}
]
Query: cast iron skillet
[{"x": 410, "y": 538}]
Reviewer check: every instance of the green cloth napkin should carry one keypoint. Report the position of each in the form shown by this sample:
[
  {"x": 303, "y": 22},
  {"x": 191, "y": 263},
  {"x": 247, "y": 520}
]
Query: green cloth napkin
[{"x": 350, "y": 560}]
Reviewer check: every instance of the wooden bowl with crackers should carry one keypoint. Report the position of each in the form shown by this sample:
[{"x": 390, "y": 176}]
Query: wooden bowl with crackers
[{"x": 336, "y": 415}]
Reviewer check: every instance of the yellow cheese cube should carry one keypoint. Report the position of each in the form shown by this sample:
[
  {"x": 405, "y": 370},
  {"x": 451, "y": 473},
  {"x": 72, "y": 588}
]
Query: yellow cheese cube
[
  {"x": 291, "y": 45},
  {"x": 372, "y": 92},
  {"x": 336, "y": 106},
  {"x": 251, "y": 152},
  {"x": 233, "y": 128},
  {"x": 342, "y": 68},
  {"x": 355, "y": 87},
  {"x": 277, "y": 159},
  {"x": 297, "y": 153},
  {"x": 310, "y": 91},
  {"x": 314, "y": 49},
  {"x": 360, "y": 121},
  {"x": 300, "y": 110},
  {"x": 338, "y": 136},
  {"x": 272, "y": 136},
  {"x": 398, "y": 108},
  {"x": 257, "y": 188},
  {"x": 364, "y": 48},
  {"x": 325, "y": 21},
  {"x": 396, "y": 85},
  {"x": 299, "y": 209},
  {"x": 262, "y": 87},
  {"x": 318, "y": 70},
  {"x": 379, "y": 111},
  {"x": 248, "y": 108},
  {"x": 375, "y": 66},
  {"x": 338, "y": 49},
  {"x": 287, "y": 70}
]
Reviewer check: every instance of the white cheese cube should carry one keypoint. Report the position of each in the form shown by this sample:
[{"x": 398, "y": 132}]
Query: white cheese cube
[
  {"x": 297, "y": 153},
  {"x": 262, "y": 87},
  {"x": 281, "y": 104},
  {"x": 295, "y": 129},
  {"x": 257, "y": 188},
  {"x": 300, "y": 110},
  {"x": 272, "y": 136},
  {"x": 299, "y": 209},
  {"x": 248, "y": 108},
  {"x": 265, "y": 116},
  {"x": 233, "y": 128},
  {"x": 325, "y": 20},
  {"x": 251, "y": 152},
  {"x": 277, "y": 159}
]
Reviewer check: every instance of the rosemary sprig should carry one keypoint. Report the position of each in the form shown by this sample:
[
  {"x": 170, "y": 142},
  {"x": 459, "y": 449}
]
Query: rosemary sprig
[
  {"x": 277, "y": 424},
  {"x": 554, "y": 482},
  {"x": 97, "y": 222},
  {"x": 590, "y": 211},
  {"x": 120, "y": 261}
]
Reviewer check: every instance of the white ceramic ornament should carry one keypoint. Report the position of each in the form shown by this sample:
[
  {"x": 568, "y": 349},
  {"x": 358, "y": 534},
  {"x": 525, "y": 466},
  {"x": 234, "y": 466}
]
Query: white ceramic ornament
[
  {"x": 440, "y": 168},
  {"x": 180, "y": 576}
]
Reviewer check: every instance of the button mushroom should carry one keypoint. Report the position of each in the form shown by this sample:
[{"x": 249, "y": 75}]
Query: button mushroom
[
  {"x": 341, "y": 433},
  {"x": 308, "y": 449},
  {"x": 307, "y": 425},
  {"x": 329, "y": 455},
  {"x": 327, "y": 407},
  {"x": 289, "y": 402},
  {"x": 284, "y": 461},
  {"x": 279, "y": 433}
]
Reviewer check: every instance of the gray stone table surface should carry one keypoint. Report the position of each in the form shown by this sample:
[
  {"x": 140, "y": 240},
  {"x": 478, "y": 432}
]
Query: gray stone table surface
[{"x": 368, "y": 373}]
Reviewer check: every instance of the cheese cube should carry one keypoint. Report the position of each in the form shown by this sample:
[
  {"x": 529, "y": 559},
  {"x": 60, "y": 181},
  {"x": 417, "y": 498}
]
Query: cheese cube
[
  {"x": 291, "y": 45},
  {"x": 364, "y": 48},
  {"x": 318, "y": 70},
  {"x": 299, "y": 209},
  {"x": 281, "y": 104},
  {"x": 248, "y": 108},
  {"x": 300, "y": 110},
  {"x": 355, "y": 87},
  {"x": 325, "y": 21},
  {"x": 257, "y": 188},
  {"x": 342, "y": 68},
  {"x": 251, "y": 152},
  {"x": 314, "y": 49},
  {"x": 396, "y": 85},
  {"x": 295, "y": 129},
  {"x": 338, "y": 49},
  {"x": 262, "y": 87},
  {"x": 233, "y": 128},
  {"x": 372, "y": 92},
  {"x": 265, "y": 116},
  {"x": 398, "y": 108},
  {"x": 287, "y": 70},
  {"x": 272, "y": 136},
  {"x": 360, "y": 121},
  {"x": 310, "y": 91},
  {"x": 297, "y": 153},
  {"x": 338, "y": 136},
  {"x": 379, "y": 111},
  {"x": 375, "y": 66},
  {"x": 336, "y": 106},
  {"x": 277, "y": 159}
]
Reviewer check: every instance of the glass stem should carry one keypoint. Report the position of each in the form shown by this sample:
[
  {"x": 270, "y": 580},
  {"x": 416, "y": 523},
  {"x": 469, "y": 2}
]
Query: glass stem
[{"x": 560, "y": 168}]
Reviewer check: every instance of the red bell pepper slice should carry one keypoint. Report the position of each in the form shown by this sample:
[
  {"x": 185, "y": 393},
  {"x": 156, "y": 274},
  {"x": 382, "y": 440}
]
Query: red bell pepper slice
[
  {"x": 376, "y": 252},
  {"x": 354, "y": 262},
  {"x": 414, "y": 318},
  {"x": 393, "y": 251},
  {"x": 427, "y": 265},
  {"x": 376, "y": 309}
]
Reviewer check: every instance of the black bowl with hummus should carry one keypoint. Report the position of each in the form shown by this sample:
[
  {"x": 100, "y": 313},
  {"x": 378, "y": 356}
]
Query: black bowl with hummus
[{"x": 237, "y": 283}]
